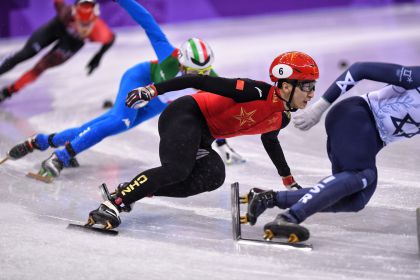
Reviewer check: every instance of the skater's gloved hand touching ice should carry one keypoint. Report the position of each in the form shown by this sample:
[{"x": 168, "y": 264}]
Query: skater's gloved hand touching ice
[
  {"x": 140, "y": 96},
  {"x": 290, "y": 183},
  {"x": 307, "y": 118}
]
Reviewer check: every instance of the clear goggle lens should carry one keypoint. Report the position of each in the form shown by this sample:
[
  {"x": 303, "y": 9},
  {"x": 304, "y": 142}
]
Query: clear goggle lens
[{"x": 306, "y": 86}]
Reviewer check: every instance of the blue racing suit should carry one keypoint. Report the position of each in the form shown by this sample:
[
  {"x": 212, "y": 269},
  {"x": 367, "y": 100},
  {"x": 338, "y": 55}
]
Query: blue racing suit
[{"x": 121, "y": 118}]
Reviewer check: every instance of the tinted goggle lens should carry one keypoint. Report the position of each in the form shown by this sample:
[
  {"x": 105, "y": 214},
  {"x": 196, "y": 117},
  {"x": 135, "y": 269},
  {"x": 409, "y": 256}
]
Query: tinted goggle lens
[{"x": 205, "y": 71}]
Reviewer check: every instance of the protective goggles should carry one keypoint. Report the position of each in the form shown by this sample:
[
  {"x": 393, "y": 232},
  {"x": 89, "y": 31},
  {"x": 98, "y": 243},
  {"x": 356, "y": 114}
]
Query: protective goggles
[
  {"x": 306, "y": 86},
  {"x": 195, "y": 71}
]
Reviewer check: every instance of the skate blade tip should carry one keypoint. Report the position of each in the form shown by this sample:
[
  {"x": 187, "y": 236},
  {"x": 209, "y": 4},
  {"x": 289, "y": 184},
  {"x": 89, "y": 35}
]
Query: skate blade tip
[
  {"x": 39, "y": 177},
  {"x": 243, "y": 199},
  {"x": 90, "y": 222},
  {"x": 3, "y": 160}
]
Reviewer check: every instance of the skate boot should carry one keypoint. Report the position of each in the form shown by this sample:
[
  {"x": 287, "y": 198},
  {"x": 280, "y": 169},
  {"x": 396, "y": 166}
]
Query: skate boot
[
  {"x": 4, "y": 94},
  {"x": 51, "y": 167},
  {"x": 114, "y": 197},
  {"x": 108, "y": 214},
  {"x": 285, "y": 226},
  {"x": 22, "y": 149},
  {"x": 258, "y": 201}
]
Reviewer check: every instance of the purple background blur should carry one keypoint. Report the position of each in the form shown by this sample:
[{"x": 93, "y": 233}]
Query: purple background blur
[{"x": 21, "y": 17}]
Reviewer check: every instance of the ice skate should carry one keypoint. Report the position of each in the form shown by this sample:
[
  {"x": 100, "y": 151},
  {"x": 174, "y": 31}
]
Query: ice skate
[
  {"x": 108, "y": 214},
  {"x": 50, "y": 169},
  {"x": 22, "y": 149},
  {"x": 258, "y": 201},
  {"x": 52, "y": 166},
  {"x": 236, "y": 223},
  {"x": 282, "y": 227}
]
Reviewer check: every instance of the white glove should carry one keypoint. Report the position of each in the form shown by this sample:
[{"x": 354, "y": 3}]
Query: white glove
[
  {"x": 310, "y": 116},
  {"x": 229, "y": 155}
]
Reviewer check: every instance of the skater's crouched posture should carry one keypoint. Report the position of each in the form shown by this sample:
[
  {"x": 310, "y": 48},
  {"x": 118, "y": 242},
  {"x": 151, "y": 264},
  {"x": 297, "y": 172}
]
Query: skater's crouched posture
[
  {"x": 195, "y": 56},
  {"x": 357, "y": 128},
  {"x": 224, "y": 108},
  {"x": 67, "y": 31}
]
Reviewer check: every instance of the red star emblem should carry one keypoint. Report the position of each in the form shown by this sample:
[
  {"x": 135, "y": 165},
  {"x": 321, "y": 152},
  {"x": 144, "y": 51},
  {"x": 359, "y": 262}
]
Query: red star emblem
[{"x": 245, "y": 117}]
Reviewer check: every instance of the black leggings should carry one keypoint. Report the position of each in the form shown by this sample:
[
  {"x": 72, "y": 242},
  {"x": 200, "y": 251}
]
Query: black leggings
[
  {"x": 47, "y": 34},
  {"x": 189, "y": 165}
]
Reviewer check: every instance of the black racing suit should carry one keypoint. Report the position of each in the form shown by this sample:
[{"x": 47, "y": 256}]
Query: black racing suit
[{"x": 189, "y": 165}]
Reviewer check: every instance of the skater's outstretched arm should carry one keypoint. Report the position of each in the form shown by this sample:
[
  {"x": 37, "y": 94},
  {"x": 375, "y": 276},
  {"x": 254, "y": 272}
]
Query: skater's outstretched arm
[
  {"x": 394, "y": 74},
  {"x": 163, "y": 48},
  {"x": 100, "y": 33},
  {"x": 240, "y": 90},
  {"x": 274, "y": 150}
]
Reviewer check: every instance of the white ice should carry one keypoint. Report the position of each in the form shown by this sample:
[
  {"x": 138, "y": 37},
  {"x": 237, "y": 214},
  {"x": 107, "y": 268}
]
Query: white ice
[{"x": 191, "y": 238}]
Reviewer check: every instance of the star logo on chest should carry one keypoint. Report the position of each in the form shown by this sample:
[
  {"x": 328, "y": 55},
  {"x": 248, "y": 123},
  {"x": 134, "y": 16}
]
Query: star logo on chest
[
  {"x": 272, "y": 123},
  {"x": 273, "y": 120},
  {"x": 408, "y": 123},
  {"x": 245, "y": 117}
]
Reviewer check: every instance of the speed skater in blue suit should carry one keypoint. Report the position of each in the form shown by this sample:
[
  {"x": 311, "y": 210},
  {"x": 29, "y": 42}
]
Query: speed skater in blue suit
[{"x": 193, "y": 57}]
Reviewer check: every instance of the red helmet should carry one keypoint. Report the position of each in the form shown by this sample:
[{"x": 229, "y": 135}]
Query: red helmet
[
  {"x": 294, "y": 66},
  {"x": 86, "y": 11}
]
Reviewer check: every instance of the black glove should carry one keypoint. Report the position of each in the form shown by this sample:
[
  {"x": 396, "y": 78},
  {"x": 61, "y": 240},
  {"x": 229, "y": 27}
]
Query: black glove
[
  {"x": 290, "y": 183},
  {"x": 139, "y": 97},
  {"x": 93, "y": 63},
  {"x": 96, "y": 59}
]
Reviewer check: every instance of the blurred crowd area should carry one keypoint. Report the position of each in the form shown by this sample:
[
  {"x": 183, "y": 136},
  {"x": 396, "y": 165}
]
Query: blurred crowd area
[{"x": 21, "y": 17}]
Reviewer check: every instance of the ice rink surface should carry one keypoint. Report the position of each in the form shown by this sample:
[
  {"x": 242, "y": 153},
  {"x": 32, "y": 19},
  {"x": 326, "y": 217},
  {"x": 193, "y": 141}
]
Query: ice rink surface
[{"x": 164, "y": 238}]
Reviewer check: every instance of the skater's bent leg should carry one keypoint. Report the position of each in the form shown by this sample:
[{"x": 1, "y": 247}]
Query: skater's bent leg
[
  {"x": 354, "y": 202},
  {"x": 118, "y": 119},
  {"x": 68, "y": 135},
  {"x": 90, "y": 136},
  {"x": 181, "y": 128},
  {"x": 208, "y": 174},
  {"x": 285, "y": 199},
  {"x": 119, "y": 114},
  {"x": 331, "y": 190},
  {"x": 41, "y": 38},
  {"x": 51, "y": 59}
]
